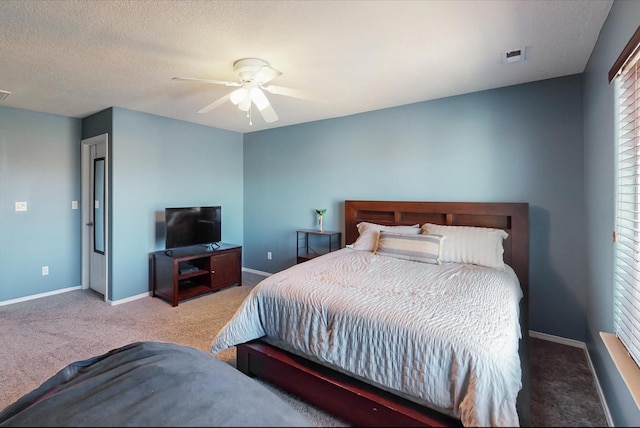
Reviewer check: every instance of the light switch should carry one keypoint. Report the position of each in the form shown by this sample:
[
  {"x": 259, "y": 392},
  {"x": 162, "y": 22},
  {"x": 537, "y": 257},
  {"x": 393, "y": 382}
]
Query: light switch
[
  {"x": 21, "y": 206},
  {"x": 74, "y": 205}
]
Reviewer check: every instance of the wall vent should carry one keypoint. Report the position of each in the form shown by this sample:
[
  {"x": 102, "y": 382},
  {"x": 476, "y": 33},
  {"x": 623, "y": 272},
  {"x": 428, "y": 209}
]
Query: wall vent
[
  {"x": 516, "y": 55},
  {"x": 4, "y": 95}
]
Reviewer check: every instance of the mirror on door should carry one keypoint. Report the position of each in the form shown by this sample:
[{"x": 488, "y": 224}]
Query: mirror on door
[{"x": 98, "y": 207}]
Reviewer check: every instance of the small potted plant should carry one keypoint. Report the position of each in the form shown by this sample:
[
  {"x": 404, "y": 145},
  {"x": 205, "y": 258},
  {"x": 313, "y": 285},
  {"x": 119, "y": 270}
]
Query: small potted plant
[{"x": 320, "y": 214}]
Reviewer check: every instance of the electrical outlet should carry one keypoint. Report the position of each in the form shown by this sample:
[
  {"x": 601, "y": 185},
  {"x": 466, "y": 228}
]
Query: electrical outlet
[
  {"x": 268, "y": 255},
  {"x": 45, "y": 270}
]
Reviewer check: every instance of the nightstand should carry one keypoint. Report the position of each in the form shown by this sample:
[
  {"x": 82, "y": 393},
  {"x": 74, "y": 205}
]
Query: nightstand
[{"x": 314, "y": 243}]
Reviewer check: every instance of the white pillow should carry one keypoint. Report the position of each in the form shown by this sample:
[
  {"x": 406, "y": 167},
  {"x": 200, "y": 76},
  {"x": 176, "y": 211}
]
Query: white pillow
[
  {"x": 466, "y": 244},
  {"x": 418, "y": 248},
  {"x": 368, "y": 239}
]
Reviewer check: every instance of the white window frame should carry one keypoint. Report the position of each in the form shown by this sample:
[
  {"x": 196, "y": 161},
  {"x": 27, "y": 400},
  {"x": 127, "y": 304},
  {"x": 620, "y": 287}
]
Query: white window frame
[{"x": 624, "y": 345}]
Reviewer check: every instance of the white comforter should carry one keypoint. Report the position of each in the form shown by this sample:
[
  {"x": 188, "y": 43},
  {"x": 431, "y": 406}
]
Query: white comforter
[{"x": 445, "y": 336}]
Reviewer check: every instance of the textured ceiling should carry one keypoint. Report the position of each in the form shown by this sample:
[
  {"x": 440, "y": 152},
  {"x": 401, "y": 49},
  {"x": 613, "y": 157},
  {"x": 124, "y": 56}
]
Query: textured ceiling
[{"x": 75, "y": 58}]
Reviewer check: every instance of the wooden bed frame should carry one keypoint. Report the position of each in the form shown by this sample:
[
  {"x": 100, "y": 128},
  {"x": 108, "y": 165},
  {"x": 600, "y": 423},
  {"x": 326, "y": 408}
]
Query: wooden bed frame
[{"x": 360, "y": 403}]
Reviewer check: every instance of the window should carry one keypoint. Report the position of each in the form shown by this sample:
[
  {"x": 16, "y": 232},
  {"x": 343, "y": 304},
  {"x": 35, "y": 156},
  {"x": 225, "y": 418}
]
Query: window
[
  {"x": 627, "y": 294},
  {"x": 626, "y": 75}
]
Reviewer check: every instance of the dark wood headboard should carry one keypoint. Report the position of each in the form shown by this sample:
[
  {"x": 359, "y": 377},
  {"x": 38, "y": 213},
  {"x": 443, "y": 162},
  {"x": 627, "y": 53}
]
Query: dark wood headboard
[{"x": 511, "y": 217}]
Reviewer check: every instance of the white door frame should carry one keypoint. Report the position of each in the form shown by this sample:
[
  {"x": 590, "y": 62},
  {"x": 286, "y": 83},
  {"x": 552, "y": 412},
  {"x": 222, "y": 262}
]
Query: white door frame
[{"x": 87, "y": 208}]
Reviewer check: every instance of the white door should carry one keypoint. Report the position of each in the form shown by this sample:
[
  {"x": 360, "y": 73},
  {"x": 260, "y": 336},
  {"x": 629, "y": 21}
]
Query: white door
[{"x": 95, "y": 213}]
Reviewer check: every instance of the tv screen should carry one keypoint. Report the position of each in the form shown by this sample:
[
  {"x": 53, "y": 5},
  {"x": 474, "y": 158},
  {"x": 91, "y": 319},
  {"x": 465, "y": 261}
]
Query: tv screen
[{"x": 189, "y": 226}]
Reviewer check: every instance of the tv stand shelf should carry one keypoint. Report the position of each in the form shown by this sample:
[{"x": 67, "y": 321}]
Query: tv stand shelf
[{"x": 209, "y": 269}]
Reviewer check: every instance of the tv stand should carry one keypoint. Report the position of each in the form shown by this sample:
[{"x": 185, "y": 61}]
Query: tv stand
[{"x": 215, "y": 269}]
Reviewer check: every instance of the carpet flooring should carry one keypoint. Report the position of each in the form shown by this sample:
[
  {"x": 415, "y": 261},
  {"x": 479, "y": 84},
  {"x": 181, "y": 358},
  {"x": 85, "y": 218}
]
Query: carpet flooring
[
  {"x": 563, "y": 390},
  {"x": 42, "y": 336}
]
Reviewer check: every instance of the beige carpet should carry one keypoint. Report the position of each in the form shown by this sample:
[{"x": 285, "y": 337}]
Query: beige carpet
[{"x": 42, "y": 336}]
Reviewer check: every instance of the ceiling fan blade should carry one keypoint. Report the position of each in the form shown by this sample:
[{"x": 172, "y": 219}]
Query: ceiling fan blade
[
  {"x": 264, "y": 106},
  {"x": 214, "y": 104},
  {"x": 269, "y": 114},
  {"x": 265, "y": 74},
  {"x": 215, "y": 82},
  {"x": 289, "y": 92},
  {"x": 259, "y": 98}
]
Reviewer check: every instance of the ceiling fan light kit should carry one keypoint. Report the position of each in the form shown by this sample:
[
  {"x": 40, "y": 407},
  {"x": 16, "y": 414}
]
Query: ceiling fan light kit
[{"x": 253, "y": 74}]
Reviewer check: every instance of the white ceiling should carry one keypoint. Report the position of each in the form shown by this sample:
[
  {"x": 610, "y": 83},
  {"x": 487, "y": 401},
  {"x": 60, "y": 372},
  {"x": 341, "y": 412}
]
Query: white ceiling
[{"x": 75, "y": 58}]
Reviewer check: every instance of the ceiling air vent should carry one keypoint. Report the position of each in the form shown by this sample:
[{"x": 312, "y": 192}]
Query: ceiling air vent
[
  {"x": 513, "y": 56},
  {"x": 4, "y": 95}
]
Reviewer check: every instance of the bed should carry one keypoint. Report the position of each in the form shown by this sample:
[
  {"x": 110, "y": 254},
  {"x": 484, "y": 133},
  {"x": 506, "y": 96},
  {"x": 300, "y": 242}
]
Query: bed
[
  {"x": 151, "y": 384},
  {"x": 378, "y": 338}
]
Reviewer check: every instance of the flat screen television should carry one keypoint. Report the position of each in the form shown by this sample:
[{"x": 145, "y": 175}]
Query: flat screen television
[{"x": 191, "y": 226}]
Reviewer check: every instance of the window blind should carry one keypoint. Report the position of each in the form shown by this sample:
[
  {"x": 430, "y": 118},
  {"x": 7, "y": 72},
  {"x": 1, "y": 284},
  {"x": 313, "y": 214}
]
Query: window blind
[{"x": 627, "y": 259}]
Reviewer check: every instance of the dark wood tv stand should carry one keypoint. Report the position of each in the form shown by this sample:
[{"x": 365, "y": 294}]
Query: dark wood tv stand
[{"x": 183, "y": 273}]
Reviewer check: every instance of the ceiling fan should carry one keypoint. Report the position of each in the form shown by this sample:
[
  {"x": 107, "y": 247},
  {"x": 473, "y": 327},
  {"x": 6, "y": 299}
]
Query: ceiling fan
[{"x": 254, "y": 74}]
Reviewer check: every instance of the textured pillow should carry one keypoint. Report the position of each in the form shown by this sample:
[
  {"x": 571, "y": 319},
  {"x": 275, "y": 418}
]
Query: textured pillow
[
  {"x": 466, "y": 244},
  {"x": 418, "y": 248},
  {"x": 368, "y": 239}
]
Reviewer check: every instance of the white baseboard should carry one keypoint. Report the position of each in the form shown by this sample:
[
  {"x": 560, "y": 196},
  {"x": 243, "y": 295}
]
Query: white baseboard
[
  {"x": 257, "y": 272},
  {"x": 37, "y": 296},
  {"x": 129, "y": 299},
  {"x": 578, "y": 344},
  {"x": 111, "y": 302},
  {"x": 140, "y": 296},
  {"x": 557, "y": 339}
]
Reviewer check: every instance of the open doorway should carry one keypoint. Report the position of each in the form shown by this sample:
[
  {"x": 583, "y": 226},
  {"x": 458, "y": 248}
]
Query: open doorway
[{"x": 95, "y": 214}]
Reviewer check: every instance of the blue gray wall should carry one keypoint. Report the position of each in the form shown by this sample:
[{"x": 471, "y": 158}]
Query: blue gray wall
[
  {"x": 156, "y": 163},
  {"x": 599, "y": 185},
  {"x": 515, "y": 144},
  {"x": 40, "y": 165}
]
